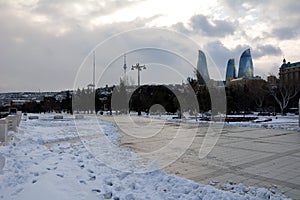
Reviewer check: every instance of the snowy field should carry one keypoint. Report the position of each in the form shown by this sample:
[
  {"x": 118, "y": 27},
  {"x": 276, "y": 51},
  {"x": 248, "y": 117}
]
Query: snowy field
[
  {"x": 55, "y": 159},
  {"x": 289, "y": 122}
]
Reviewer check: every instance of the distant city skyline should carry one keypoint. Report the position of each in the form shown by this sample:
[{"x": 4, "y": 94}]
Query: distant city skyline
[{"x": 43, "y": 43}]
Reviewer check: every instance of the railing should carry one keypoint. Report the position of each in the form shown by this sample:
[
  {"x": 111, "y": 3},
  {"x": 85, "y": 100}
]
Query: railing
[{"x": 9, "y": 123}]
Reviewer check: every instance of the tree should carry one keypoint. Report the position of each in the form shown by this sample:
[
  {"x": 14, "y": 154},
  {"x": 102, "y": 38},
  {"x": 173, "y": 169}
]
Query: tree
[
  {"x": 119, "y": 98},
  {"x": 258, "y": 92},
  {"x": 282, "y": 95},
  {"x": 66, "y": 104}
]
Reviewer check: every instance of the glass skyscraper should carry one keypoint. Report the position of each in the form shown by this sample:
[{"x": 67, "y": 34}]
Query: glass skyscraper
[
  {"x": 230, "y": 70},
  {"x": 245, "y": 65},
  {"x": 202, "y": 66}
]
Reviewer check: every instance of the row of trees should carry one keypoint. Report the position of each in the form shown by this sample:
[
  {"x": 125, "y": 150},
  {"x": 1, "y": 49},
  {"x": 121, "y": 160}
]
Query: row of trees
[
  {"x": 49, "y": 104},
  {"x": 255, "y": 95},
  {"x": 245, "y": 97}
]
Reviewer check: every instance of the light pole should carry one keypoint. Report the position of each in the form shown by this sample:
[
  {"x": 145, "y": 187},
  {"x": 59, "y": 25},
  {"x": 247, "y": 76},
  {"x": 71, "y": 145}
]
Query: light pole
[{"x": 139, "y": 68}]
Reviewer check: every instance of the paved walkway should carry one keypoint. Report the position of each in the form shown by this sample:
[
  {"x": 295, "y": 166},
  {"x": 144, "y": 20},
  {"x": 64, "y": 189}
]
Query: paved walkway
[{"x": 256, "y": 157}]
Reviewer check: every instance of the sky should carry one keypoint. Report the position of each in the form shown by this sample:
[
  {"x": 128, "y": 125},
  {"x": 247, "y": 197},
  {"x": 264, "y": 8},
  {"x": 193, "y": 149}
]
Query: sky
[{"x": 47, "y": 45}]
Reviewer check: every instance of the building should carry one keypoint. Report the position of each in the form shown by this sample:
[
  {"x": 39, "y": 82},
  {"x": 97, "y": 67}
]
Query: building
[
  {"x": 245, "y": 65},
  {"x": 230, "y": 70},
  {"x": 253, "y": 81},
  {"x": 272, "y": 80},
  {"x": 289, "y": 73},
  {"x": 202, "y": 67}
]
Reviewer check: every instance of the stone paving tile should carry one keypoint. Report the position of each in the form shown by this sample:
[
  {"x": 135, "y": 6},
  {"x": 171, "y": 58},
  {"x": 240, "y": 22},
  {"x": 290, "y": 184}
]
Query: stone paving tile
[
  {"x": 263, "y": 146},
  {"x": 295, "y": 180},
  {"x": 256, "y": 157},
  {"x": 286, "y": 137},
  {"x": 297, "y": 154},
  {"x": 293, "y": 193}
]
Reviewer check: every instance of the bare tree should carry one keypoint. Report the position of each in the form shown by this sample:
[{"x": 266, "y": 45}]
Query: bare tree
[
  {"x": 282, "y": 95},
  {"x": 258, "y": 93}
]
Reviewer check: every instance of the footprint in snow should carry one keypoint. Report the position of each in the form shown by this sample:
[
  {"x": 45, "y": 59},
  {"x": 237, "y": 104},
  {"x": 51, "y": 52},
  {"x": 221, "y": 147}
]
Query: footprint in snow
[
  {"x": 60, "y": 175},
  {"x": 108, "y": 195},
  {"x": 90, "y": 171},
  {"x": 92, "y": 178},
  {"x": 96, "y": 190}
]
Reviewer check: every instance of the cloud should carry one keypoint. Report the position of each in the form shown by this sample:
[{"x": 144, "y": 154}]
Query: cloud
[
  {"x": 266, "y": 50},
  {"x": 221, "y": 54},
  {"x": 46, "y": 41},
  {"x": 280, "y": 18},
  {"x": 200, "y": 24},
  {"x": 180, "y": 27},
  {"x": 214, "y": 28},
  {"x": 286, "y": 33},
  {"x": 35, "y": 57}
]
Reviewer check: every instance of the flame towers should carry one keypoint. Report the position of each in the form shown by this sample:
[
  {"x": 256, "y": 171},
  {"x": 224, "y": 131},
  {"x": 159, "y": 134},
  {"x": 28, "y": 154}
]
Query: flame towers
[
  {"x": 230, "y": 71},
  {"x": 245, "y": 65},
  {"x": 202, "y": 66}
]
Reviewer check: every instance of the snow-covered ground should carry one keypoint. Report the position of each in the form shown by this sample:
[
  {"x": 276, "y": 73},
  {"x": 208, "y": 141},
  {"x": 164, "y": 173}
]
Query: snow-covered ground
[
  {"x": 55, "y": 159},
  {"x": 288, "y": 122}
]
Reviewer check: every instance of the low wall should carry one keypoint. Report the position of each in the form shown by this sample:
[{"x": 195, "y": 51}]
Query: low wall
[
  {"x": 12, "y": 123},
  {"x": 9, "y": 123},
  {"x": 3, "y": 130}
]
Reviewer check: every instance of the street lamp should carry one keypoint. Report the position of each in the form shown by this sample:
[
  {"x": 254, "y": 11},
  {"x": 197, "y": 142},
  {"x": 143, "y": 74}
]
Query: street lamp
[{"x": 139, "y": 68}]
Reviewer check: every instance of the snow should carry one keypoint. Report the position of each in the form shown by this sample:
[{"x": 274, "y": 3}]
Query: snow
[
  {"x": 289, "y": 122},
  {"x": 55, "y": 159}
]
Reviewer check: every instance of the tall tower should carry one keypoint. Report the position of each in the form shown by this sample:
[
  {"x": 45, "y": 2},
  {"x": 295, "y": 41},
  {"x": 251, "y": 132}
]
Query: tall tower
[
  {"x": 202, "y": 67},
  {"x": 124, "y": 65},
  {"x": 94, "y": 68},
  {"x": 246, "y": 65},
  {"x": 92, "y": 86},
  {"x": 230, "y": 70}
]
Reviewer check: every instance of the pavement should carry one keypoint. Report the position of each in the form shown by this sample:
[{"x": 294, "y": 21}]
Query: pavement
[{"x": 253, "y": 156}]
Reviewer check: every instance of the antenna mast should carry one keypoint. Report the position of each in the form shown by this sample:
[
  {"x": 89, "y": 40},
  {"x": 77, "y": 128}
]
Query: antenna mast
[
  {"x": 94, "y": 68},
  {"x": 124, "y": 66}
]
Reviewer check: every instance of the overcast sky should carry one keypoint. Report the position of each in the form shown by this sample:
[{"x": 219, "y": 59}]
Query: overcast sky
[{"x": 47, "y": 44}]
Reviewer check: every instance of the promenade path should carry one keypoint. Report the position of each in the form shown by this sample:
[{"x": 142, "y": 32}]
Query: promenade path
[{"x": 255, "y": 157}]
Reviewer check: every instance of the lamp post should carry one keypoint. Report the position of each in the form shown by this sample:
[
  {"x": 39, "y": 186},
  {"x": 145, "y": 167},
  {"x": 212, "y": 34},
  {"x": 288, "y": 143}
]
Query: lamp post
[{"x": 139, "y": 69}]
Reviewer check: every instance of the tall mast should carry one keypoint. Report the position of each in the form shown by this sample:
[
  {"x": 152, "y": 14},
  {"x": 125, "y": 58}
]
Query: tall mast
[
  {"x": 94, "y": 68},
  {"x": 124, "y": 66}
]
